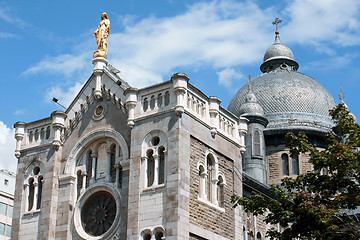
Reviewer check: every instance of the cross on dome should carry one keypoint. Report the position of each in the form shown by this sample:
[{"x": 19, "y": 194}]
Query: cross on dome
[
  {"x": 276, "y": 22},
  {"x": 341, "y": 94}
]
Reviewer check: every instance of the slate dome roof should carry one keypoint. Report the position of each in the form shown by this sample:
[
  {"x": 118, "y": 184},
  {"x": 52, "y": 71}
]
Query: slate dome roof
[{"x": 289, "y": 99}]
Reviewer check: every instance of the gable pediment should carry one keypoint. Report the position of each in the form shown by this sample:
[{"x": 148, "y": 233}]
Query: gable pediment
[{"x": 112, "y": 91}]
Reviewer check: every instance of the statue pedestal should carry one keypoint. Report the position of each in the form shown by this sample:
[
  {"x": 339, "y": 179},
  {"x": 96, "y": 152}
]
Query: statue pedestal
[
  {"x": 100, "y": 53},
  {"x": 99, "y": 65}
]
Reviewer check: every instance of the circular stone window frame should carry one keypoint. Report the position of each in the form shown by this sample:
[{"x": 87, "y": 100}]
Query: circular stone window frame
[
  {"x": 78, "y": 228},
  {"x": 100, "y": 116}
]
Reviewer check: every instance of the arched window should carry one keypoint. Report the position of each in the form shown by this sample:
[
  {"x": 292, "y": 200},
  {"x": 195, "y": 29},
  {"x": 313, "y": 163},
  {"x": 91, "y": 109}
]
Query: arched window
[
  {"x": 152, "y": 102},
  {"x": 147, "y": 236},
  {"x": 145, "y": 105},
  {"x": 167, "y": 98},
  {"x": 258, "y": 236},
  {"x": 161, "y": 164},
  {"x": 31, "y": 194},
  {"x": 42, "y": 133},
  {"x": 257, "y": 143},
  {"x": 285, "y": 164},
  {"x": 40, "y": 188},
  {"x": 47, "y": 132},
  {"x": 211, "y": 181},
  {"x": 159, "y": 100},
  {"x": 89, "y": 165},
  {"x": 295, "y": 165},
  {"x": 154, "y": 159},
  {"x": 31, "y": 135},
  {"x": 33, "y": 188},
  {"x": 159, "y": 236},
  {"x": 220, "y": 191},
  {"x": 100, "y": 161},
  {"x": 112, "y": 163},
  {"x": 150, "y": 169},
  {"x": 36, "y": 135}
]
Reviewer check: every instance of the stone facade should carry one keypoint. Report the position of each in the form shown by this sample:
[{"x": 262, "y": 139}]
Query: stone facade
[{"x": 160, "y": 162}]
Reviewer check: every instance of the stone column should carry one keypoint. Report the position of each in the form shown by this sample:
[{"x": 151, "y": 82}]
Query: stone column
[
  {"x": 99, "y": 64},
  {"x": 19, "y": 136},
  {"x": 180, "y": 81},
  {"x": 92, "y": 178},
  {"x": 36, "y": 192},
  {"x": 58, "y": 120},
  {"x": 83, "y": 183},
  {"x": 130, "y": 104},
  {"x": 156, "y": 170},
  {"x": 26, "y": 194},
  {"x": 214, "y": 199},
  {"x": 108, "y": 168},
  {"x": 202, "y": 185},
  {"x": 144, "y": 165},
  {"x": 117, "y": 167},
  {"x": 214, "y": 104}
]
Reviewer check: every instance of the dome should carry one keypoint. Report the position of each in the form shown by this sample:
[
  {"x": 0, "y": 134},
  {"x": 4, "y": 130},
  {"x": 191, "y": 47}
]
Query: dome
[
  {"x": 278, "y": 50},
  {"x": 251, "y": 106},
  {"x": 278, "y": 54},
  {"x": 289, "y": 100}
]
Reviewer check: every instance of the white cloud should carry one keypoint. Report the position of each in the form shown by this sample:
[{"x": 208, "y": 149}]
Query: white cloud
[
  {"x": 227, "y": 76},
  {"x": 66, "y": 64},
  {"x": 7, "y": 148},
  {"x": 19, "y": 112},
  {"x": 5, "y": 35},
  {"x": 65, "y": 96},
  {"x": 323, "y": 21},
  {"x": 217, "y": 34}
]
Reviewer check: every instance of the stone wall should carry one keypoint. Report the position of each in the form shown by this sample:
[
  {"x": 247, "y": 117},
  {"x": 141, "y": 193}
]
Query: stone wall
[
  {"x": 202, "y": 214},
  {"x": 274, "y": 164}
]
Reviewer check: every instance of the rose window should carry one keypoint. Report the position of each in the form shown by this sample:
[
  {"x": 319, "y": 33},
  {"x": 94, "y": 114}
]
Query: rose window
[{"x": 98, "y": 213}]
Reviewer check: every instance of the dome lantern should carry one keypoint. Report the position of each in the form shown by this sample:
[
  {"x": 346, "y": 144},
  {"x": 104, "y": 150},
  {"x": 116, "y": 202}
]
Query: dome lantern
[{"x": 278, "y": 56}]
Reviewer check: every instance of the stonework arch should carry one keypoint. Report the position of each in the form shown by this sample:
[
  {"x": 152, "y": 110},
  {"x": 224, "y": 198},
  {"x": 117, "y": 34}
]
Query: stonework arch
[{"x": 89, "y": 138}]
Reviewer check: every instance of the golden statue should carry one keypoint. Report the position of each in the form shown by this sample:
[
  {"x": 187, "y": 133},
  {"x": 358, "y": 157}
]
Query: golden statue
[{"x": 101, "y": 35}]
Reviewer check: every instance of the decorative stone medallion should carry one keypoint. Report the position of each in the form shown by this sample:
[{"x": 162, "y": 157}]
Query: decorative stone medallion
[{"x": 100, "y": 111}]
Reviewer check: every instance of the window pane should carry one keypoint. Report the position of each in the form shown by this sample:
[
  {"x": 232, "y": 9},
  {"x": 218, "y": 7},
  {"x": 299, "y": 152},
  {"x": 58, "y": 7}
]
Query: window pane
[
  {"x": 295, "y": 165},
  {"x": 257, "y": 145},
  {"x": 10, "y": 211},
  {"x": 285, "y": 164},
  {"x": 3, "y": 209},
  {"x": 2, "y": 229},
  {"x": 8, "y": 231}
]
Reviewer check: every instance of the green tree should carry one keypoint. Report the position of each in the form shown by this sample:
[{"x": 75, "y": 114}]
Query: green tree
[{"x": 316, "y": 205}]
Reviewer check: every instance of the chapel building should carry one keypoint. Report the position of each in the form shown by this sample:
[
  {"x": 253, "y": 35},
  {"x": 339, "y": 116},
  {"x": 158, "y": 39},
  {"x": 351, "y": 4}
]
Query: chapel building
[{"x": 162, "y": 162}]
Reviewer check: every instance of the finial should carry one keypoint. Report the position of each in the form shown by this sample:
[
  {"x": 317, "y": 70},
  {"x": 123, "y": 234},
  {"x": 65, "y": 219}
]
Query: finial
[
  {"x": 341, "y": 94},
  {"x": 276, "y": 22},
  {"x": 249, "y": 82}
]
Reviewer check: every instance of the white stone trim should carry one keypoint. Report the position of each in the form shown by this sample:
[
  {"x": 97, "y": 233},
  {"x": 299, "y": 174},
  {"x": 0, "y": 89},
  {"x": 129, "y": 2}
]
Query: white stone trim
[
  {"x": 90, "y": 137},
  {"x": 76, "y": 221}
]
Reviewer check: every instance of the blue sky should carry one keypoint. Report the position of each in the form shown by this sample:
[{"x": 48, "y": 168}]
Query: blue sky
[{"x": 47, "y": 48}]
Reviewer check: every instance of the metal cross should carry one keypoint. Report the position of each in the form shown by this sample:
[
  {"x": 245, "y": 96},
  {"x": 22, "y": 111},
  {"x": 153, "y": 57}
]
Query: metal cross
[
  {"x": 276, "y": 22},
  {"x": 341, "y": 94}
]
